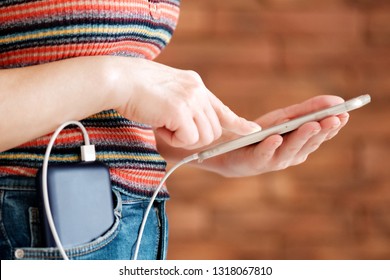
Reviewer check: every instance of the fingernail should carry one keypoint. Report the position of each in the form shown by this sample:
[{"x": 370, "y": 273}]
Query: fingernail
[
  {"x": 336, "y": 125},
  {"x": 255, "y": 126},
  {"x": 314, "y": 132},
  {"x": 276, "y": 144}
]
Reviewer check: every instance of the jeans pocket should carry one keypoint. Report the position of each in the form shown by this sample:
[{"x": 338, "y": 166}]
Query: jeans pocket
[
  {"x": 20, "y": 230},
  {"x": 102, "y": 247},
  {"x": 153, "y": 244}
]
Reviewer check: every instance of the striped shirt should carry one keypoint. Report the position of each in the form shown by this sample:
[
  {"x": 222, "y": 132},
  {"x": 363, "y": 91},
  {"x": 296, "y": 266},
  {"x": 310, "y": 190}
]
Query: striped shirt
[{"x": 33, "y": 32}]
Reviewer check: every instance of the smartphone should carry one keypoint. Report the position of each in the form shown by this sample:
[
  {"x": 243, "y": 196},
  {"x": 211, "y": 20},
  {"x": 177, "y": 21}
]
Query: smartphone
[{"x": 285, "y": 127}]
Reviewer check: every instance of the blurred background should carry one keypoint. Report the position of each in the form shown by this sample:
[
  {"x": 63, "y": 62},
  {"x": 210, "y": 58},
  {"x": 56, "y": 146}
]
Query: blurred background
[{"x": 259, "y": 55}]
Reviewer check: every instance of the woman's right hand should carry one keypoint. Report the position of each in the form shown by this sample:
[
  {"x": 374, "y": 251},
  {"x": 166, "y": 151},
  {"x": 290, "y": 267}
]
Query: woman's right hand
[
  {"x": 176, "y": 103},
  {"x": 35, "y": 100}
]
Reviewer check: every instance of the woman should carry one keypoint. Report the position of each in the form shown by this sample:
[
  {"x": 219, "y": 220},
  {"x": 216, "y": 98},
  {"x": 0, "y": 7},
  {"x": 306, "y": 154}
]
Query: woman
[{"x": 91, "y": 60}]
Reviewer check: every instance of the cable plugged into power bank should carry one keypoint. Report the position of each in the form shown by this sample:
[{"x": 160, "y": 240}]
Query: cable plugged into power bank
[{"x": 87, "y": 154}]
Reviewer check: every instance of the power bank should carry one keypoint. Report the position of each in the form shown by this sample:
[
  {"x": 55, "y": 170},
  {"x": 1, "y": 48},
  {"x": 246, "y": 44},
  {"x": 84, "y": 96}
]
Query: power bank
[{"x": 81, "y": 202}]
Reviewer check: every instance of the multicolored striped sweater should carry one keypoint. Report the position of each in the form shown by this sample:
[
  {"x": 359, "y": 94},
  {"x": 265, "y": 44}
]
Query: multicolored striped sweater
[{"x": 41, "y": 31}]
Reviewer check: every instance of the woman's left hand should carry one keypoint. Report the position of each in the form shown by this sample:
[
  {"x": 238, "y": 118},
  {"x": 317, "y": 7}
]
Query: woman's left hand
[{"x": 279, "y": 152}]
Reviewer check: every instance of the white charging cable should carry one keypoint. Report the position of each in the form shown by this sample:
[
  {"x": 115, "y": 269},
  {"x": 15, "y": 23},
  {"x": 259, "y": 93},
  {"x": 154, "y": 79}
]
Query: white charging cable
[
  {"x": 87, "y": 154},
  {"x": 153, "y": 198}
]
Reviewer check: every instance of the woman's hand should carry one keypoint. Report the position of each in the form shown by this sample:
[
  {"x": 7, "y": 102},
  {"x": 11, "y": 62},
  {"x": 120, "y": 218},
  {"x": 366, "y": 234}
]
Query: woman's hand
[
  {"x": 177, "y": 104},
  {"x": 174, "y": 102},
  {"x": 277, "y": 152}
]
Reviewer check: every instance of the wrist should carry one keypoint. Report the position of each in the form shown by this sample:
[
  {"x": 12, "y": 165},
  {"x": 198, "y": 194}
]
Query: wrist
[
  {"x": 112, "y": 82},
  {"x": 121, "y": 82}
]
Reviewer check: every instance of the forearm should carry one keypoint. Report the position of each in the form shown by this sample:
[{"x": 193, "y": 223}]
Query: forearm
[{"x": 35, "y": 100}]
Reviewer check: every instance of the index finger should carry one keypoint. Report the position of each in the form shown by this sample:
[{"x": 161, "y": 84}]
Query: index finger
[{"x": 231, "y": 121}]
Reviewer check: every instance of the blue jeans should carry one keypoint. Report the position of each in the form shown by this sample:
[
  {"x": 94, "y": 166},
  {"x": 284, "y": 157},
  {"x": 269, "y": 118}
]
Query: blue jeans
[{"x": 20, "y": 230}]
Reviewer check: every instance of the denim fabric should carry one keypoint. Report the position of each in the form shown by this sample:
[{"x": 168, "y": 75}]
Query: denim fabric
[{"x": 20, "y": 230}]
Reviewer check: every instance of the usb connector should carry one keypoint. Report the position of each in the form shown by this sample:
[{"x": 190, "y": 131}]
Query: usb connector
[{"x": 88, "y": 153}]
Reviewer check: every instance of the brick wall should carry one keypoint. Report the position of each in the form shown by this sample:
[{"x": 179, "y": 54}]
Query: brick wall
[{"x": 259, "y": 55}]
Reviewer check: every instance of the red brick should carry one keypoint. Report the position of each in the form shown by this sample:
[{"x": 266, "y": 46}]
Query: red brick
[
  {"x": 378, "y": 32},
  {"x": 301, "y": 4},
  {"x": 189, "y": 55},
  {"x": 368, "y": 4},
  {"x": 374, "y": 158},
  {"x": 315, "y": 23},
  {"x": 188, "y": 220}
]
